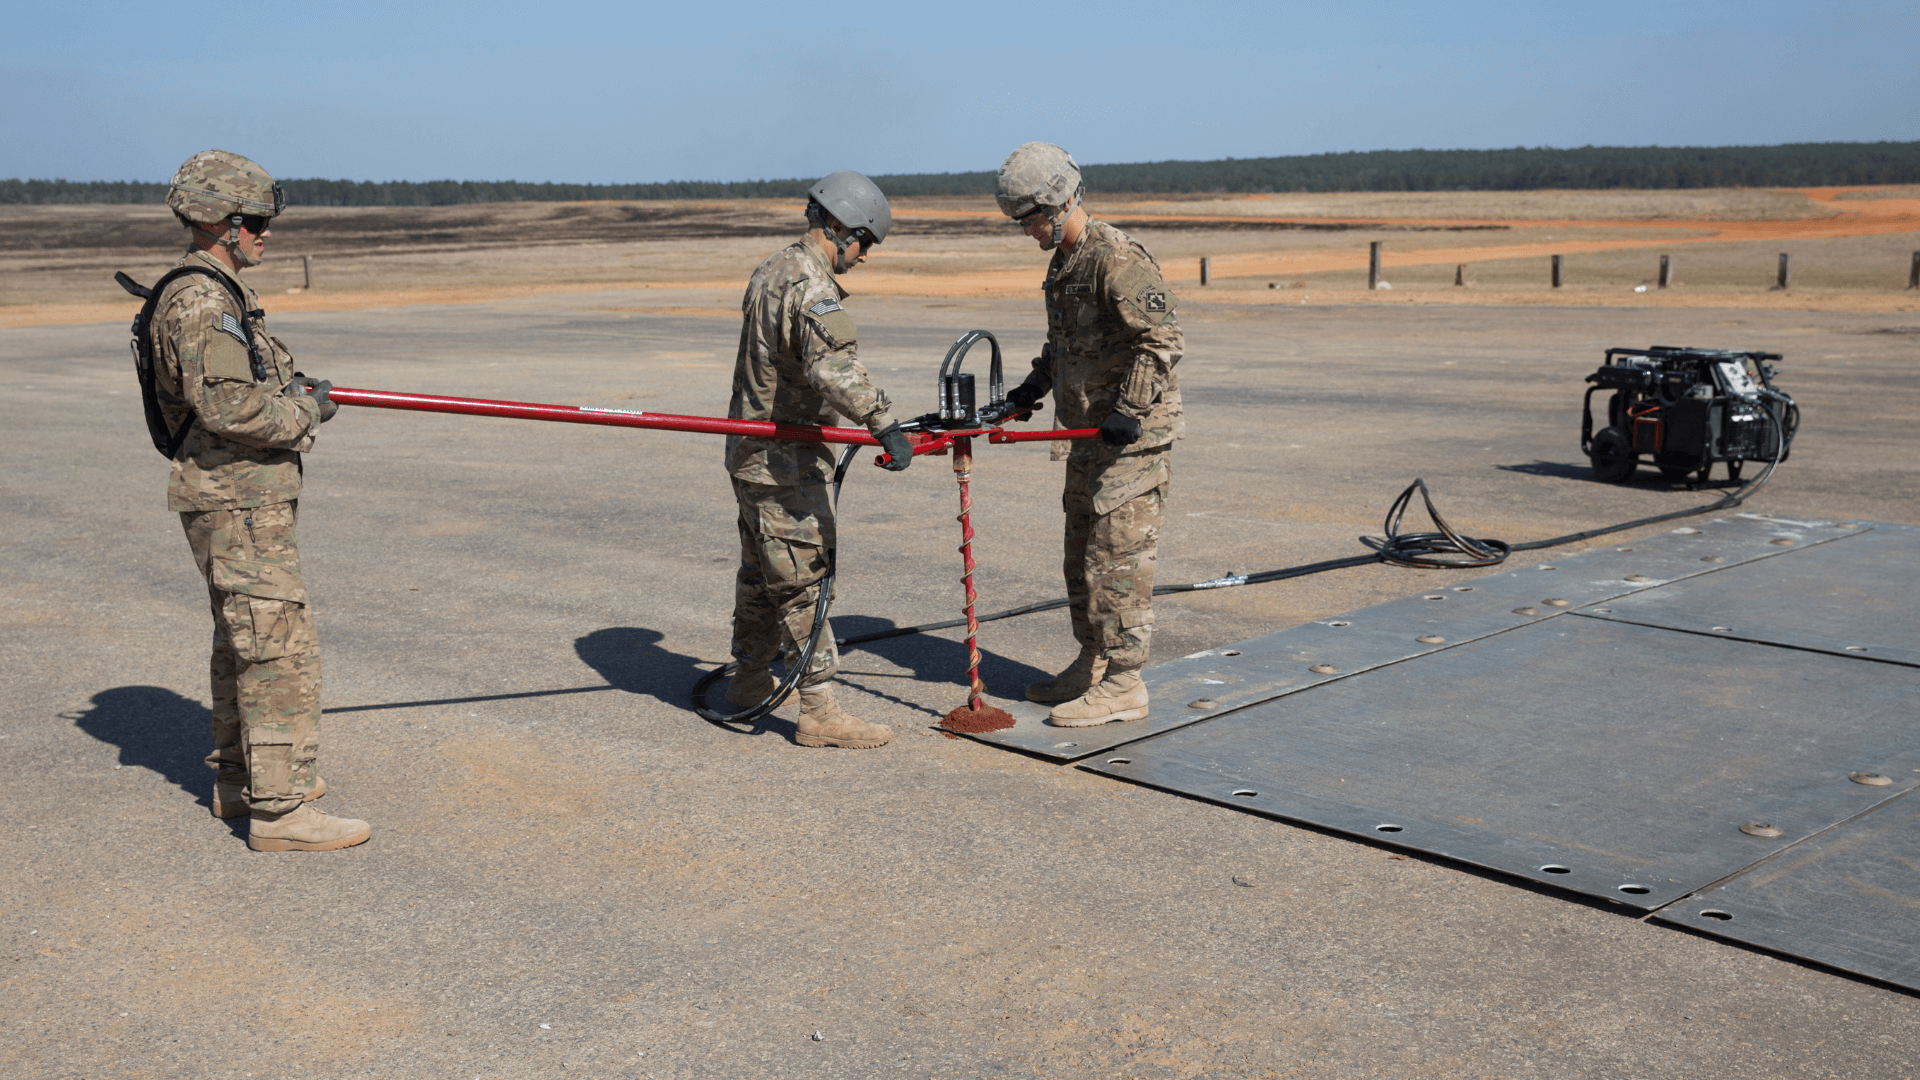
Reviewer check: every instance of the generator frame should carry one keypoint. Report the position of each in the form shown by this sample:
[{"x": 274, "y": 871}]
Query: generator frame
[{"x": 1683, "y": 409}]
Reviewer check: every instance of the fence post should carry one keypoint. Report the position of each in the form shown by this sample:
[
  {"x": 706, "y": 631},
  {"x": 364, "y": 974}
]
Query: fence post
[
  {"x": 1206, "y": 269},
  {"x": 1666, "y": 270},
  {"x": 1460, "y": 275},
  {"x": 1786, "y": 271},
  {"x": 308, "y": 260},
  {"x": 1373, "y": 264},
  {"x": 1913, "y": 275},
  {"x": 1556, "y": 271}
]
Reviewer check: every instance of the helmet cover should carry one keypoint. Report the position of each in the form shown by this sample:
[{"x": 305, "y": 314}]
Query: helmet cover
[
  {"x": 215, "y": 184},
  {"x": 1035, "y": 175}
]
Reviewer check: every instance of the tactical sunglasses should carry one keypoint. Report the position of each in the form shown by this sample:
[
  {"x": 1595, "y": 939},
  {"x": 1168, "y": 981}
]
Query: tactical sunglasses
[
  {"x": 1026, "y": 220},
  {"x": 255, "y": 223}
]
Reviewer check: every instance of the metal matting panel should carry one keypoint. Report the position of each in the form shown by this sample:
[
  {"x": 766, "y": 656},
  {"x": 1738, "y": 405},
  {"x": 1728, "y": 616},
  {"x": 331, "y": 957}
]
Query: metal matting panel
[
  {"x": 1281, "y": 663},
  {"x": 1856, "y": 597},
  {"x": 1849, "y": 898},
  {"x": 1614, "y": 760}
]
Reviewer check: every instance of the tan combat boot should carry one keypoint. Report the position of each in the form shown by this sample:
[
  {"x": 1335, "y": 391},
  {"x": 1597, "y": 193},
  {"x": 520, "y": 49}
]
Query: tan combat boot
[
  {"x": 822, "y": 723},
  {"x": 750, "y": 687},
  {"x": 230, "y": 799},
  {"x": 1120, "y": 696},
  {"x": 1079, "y": 677},
  {"x": 305, "y": 829}
]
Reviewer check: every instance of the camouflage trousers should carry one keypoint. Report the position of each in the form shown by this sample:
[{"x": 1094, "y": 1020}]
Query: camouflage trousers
[
  {"x": 786, "y": 534},
  {"x": 266, "y": 657},
  {"x": 1114, "y": 508}
]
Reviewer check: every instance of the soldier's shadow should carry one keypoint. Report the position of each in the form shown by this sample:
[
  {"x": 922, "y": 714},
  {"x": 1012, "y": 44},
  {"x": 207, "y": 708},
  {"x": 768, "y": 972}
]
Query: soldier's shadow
[
  {"x": 158, "y": 730},
  {"x": 931, "y": 659},
  {"x": 631, "y": 659}
]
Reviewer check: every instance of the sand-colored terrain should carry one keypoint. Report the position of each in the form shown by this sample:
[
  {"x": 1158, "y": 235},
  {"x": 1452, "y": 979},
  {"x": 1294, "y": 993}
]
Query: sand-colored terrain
[{"x": 1851, "y": 249}]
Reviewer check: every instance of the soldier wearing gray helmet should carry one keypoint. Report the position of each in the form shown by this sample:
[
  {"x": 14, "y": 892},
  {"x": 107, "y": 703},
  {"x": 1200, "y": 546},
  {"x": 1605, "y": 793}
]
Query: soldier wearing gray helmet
[
  {"x": 238, "y": 418},
  {"x": 798, "y": 364},
  {"x": 1112, "y": 343}
]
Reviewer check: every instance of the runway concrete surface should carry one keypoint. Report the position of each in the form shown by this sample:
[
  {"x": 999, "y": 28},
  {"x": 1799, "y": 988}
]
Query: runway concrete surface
[{"x": 573, "y": 875}]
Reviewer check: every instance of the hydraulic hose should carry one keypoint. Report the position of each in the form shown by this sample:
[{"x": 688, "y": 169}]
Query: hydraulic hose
[
  {"x": 1445, "y": 548},
  {"x": 798, "y": 668}
]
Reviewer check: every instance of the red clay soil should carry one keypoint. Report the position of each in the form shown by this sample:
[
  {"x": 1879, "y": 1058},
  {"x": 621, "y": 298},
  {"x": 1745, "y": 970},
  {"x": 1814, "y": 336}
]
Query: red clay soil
[{"x": 974, "y": 721}]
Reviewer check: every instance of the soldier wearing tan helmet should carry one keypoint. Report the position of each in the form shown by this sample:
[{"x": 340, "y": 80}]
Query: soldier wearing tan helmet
[
  {"x": 238, "y": 418},
  {"x": 798, "y": 364},
  {"x": 1112, "y": 343}
]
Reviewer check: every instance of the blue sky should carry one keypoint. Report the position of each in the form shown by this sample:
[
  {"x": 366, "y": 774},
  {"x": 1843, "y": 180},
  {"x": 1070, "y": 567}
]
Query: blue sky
[{"x": 604, "y": 93}]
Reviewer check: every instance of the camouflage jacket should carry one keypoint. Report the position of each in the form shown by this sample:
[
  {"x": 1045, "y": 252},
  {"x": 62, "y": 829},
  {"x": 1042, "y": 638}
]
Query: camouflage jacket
[
  {"x": 1112, "y": 342},
  {"x": 244, "y": 448},
  {"x": 796, "y": 365}
]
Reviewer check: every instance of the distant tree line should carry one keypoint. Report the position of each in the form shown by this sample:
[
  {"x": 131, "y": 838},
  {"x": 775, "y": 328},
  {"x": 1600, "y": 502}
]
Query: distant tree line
[{"x": 1519, "y": 169}]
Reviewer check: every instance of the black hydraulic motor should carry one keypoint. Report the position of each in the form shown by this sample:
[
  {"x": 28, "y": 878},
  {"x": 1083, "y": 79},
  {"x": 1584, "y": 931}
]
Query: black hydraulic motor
[{"x": 1684, "y": 409}]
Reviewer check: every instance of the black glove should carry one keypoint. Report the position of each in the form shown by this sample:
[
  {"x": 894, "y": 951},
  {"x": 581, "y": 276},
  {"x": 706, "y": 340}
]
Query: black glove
[
  {"x": 318, "y": 390},
  {"x": 1024, "y": 397},
  {"x": 1120, "y": 429},
  {"x": 895, "y": 443}
]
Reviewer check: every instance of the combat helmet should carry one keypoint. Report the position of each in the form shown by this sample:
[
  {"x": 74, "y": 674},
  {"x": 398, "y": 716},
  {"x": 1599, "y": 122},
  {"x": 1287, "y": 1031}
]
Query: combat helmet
[
  {"x": 1039, "y": 176},
  {"x": 856, "y": 203},
  {"x": 215, "y": 184}
]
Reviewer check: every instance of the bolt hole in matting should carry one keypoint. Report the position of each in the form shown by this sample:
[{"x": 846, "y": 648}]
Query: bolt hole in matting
[
  {"x": 1635, "y": 890},
  {"x": 1717, "y": 915},
  {"x": 1555, "y": 868},
  {"x": 1389, "y": 828},
  {"x": 1119, "y": 761},
  {"x": 1229, "y": 652},
  {"x": 1245, "y": 793}
]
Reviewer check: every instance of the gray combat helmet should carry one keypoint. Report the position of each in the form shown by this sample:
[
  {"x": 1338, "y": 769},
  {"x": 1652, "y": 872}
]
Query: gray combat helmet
[
  {"x": 1035, "y": 175},
  {"x": 855, "y": 202}
]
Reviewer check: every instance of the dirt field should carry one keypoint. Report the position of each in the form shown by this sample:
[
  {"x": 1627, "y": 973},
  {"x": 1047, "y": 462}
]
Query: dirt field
[
  {"x": 1851, "y": 250},
  {"x": 572, "y": 876}
]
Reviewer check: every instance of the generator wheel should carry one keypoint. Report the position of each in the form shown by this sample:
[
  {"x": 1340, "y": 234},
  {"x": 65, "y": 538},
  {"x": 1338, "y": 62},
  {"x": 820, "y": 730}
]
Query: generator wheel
[{"x": 1612, "y": 456}]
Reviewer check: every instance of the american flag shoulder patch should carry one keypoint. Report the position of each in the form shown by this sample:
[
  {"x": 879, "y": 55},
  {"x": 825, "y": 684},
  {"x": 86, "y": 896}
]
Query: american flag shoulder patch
[
  {"x": 824, "y": 307},
  {"x": 231, "y": 325}
]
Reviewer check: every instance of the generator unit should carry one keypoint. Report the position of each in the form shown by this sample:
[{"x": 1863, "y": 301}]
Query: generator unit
[{"x": 1683, "y": 409}]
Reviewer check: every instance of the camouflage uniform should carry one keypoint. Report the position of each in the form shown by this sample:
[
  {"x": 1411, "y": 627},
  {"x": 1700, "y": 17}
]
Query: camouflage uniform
[
  {"x": 1112, "y": 343},
  {"x": 796, "y": 365},
  {"x": 236, "y": 484}
]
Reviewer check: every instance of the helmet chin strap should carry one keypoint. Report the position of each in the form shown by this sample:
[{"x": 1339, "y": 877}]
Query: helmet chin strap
[
  {"x": 1060, "y": 222},
  {"x": 231, "y": 241},
  {"x": 240, "y": 256}
]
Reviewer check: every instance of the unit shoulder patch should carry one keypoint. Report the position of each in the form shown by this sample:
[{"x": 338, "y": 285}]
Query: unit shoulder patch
[
  {"x": 1156, "y": 300},
  {"x": 225, "y": 358},
  {"x": 836, "y": 327}
]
